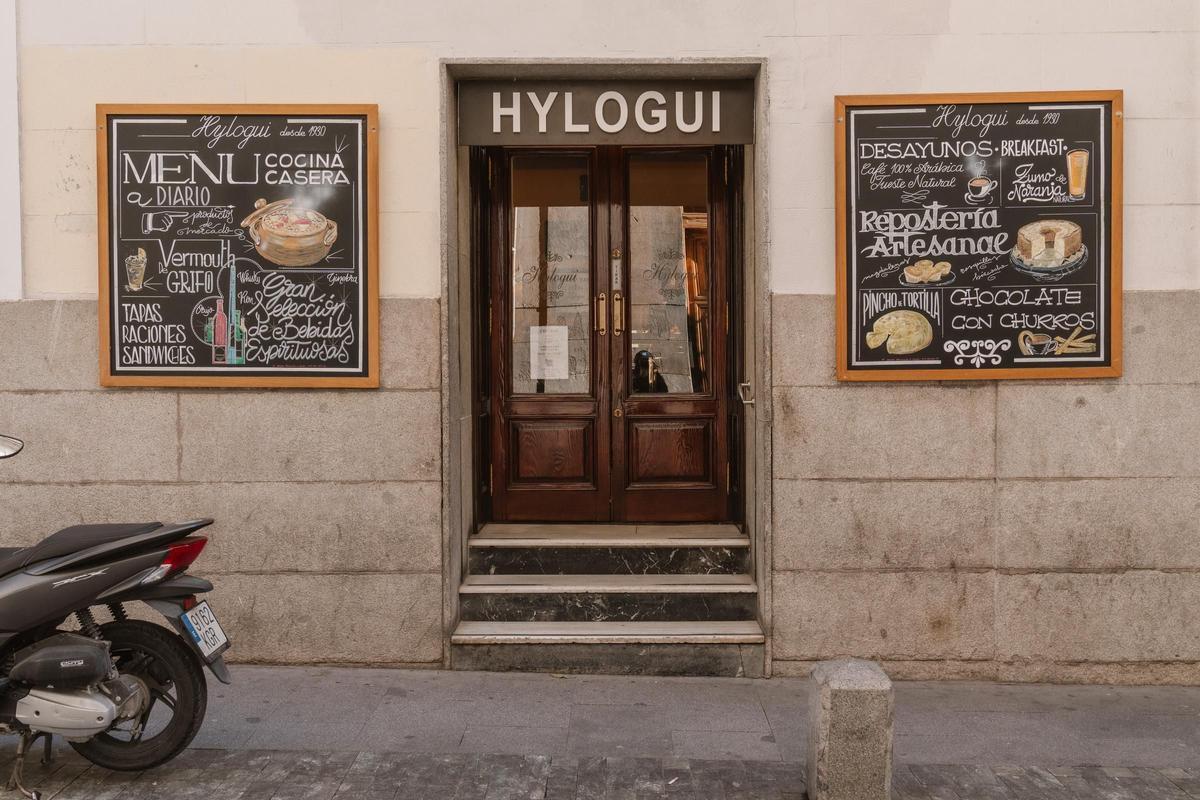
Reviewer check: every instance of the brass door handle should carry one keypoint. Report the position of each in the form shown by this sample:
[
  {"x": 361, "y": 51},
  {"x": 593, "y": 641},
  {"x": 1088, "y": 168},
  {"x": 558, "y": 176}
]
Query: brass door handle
[
  {"x": 618, "y": 313},
  {"x": 600, "y": 323},
  {"x": 746, "y": 393}
]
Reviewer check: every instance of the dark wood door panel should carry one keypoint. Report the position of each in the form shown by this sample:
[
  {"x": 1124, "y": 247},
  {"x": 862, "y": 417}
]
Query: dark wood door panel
[
  {"x": 552, "y": 452},
  {"x": 666, "y": 451},
  {"x": 671, "y": 380},
  {"x": 550, "y": 438},
  {"x": 627, "y": 277},
  {"x": 653, "y": 503}
]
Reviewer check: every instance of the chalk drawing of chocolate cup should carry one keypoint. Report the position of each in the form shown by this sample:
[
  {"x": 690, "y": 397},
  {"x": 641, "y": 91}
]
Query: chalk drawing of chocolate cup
[
  {"x": 1036, "y": 344},
  {"x": 980, "y": 189}
]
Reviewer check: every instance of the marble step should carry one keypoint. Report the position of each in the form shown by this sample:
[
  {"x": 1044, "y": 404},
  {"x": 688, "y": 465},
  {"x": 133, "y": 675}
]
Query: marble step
[
  {"x": 495, "y": 534},
  {"x": 607, "y": 598},
  {"x": 623, "y": 584},
  {"x": 607, "y": 607},
  {"x": 488, "y": 633},
  {"x": 733, "y": 649},
  {"x": 608, "y": 549}
]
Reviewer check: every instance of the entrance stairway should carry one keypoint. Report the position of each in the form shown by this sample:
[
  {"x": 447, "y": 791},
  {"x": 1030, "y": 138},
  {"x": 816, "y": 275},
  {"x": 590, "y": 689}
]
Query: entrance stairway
[{"x": 626, "y": 599}]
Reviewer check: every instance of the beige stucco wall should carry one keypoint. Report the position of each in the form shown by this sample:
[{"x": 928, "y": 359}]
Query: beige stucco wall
[
  {"x": 1020, "y": 530},
  {"x": 76, "y": 53}
]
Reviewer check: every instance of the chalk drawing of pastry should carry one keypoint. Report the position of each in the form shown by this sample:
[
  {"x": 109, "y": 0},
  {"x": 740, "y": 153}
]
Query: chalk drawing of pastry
[
  {"x": 288, "y": 234},
  {"x": 903, "y": 331},
  {"x": 1048, "y": 249},
  {"x": 926, "y": 272}
]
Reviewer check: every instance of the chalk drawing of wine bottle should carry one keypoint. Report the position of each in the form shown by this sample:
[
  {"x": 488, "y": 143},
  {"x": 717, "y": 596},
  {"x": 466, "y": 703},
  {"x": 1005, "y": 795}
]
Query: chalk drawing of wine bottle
[{"x": 220, "y": 339}]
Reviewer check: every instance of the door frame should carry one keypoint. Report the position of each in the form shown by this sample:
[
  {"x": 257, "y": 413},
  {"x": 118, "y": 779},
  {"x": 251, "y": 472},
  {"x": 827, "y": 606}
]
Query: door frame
[{"x": 460, "y": 323}]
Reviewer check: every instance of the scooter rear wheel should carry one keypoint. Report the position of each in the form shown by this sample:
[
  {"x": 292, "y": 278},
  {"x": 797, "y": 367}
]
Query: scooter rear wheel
[{"x": 175, "y": 678}]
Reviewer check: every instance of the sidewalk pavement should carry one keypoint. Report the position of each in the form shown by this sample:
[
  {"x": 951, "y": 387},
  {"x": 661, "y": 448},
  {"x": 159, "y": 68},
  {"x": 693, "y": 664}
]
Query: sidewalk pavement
[{"x": 284, "y": 732}]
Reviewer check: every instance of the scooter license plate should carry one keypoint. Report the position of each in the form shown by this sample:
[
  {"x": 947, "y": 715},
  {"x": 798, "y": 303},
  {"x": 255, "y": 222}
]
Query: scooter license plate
[{"x": 201, "y": 623}]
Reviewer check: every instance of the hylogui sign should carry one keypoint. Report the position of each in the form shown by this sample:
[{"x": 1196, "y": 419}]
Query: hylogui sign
[{"x": 605, "y": 112}]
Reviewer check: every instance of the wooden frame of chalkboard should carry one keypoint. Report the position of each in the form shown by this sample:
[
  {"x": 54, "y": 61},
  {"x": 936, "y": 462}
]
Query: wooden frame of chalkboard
[
  {"x": 1000, "y": 285},
  {"x": 338, "y": 321}
]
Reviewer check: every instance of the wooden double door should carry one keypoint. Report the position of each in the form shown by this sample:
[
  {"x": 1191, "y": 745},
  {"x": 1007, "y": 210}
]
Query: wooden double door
[{"x": 607, "y": 391}]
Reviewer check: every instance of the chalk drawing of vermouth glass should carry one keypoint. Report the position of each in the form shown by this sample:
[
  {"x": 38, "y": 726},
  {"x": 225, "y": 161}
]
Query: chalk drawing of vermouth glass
[
  {"x": 289, "y": 234},
  {"x": 135, "y": 270}
]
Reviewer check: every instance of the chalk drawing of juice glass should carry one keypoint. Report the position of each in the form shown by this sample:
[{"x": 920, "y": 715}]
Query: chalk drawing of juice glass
[{"x": 1077, "y": 173}]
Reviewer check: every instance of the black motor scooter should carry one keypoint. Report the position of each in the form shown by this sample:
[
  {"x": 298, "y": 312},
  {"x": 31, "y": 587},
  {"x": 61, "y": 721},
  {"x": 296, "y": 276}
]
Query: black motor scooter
[{"x": 126, "y": 694}]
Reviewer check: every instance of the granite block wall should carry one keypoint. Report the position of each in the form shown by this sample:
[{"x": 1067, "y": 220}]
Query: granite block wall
[
  {"x": 1040, "y": 530},
  {"x": 1020, "y": 530},
  {"x": 327, "y": 545}
]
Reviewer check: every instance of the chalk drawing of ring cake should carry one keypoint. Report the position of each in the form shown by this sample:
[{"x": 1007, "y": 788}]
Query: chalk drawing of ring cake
[
  {"x": 288, "y": 234},
  {"x": 1048, "y": 249}
]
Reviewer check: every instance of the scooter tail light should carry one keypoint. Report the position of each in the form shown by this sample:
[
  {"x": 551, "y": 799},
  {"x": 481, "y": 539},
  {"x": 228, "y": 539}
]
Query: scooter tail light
[
  {"x": 181, "y": 554},
  {"x": 178, "y": 558}
]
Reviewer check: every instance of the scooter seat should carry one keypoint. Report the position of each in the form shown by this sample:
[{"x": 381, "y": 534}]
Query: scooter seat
[{"x": 70, "y": 540}]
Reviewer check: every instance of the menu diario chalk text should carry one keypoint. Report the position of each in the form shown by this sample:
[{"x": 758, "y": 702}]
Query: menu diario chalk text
[
  {"x": 238, "y": 245},
  {"x": 979, "y": 236}
]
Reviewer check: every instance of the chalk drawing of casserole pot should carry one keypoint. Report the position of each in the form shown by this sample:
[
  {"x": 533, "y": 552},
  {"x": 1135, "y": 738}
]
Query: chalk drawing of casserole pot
[{"x": 290, "y": 235}]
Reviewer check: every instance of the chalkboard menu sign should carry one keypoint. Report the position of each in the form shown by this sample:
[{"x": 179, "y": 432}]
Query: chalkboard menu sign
[
  {"x": 979, "y": 236},
  {"x": 238, "y": 245}
]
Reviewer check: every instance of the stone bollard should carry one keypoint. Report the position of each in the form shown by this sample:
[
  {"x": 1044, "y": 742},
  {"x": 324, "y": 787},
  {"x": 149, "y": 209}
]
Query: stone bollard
[{"x": 850, "y": 732}]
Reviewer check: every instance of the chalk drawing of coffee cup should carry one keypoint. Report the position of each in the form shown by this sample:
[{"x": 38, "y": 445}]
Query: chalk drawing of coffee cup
[{"x": 979, "y": 189}]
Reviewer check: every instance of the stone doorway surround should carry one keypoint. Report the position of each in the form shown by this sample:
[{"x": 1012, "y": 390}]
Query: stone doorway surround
[{"x": 456, "y": 339}]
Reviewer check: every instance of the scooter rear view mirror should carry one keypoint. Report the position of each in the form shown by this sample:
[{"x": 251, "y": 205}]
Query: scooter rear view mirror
[{"x": 10, "y": 446}]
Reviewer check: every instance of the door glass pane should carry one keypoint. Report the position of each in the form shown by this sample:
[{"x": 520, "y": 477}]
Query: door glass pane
[
  {"x": 668, "y": 273},
  {"x": 551, "y": 275}
]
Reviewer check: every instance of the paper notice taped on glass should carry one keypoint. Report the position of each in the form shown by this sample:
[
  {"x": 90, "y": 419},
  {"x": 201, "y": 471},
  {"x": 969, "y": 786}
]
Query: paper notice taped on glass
[{"x": 548, "y": 358}]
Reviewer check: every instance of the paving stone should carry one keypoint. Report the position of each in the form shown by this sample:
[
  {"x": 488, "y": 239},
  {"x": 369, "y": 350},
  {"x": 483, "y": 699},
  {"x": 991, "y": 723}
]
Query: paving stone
[
  {"x": 745, "y": 745},
  {"x": 935, "y": 783},
  {"x": 1186, "y": 779},
  {"x": 977, "y": 741},
  {"x": 1032, "y": 782},
  {"x": 742, "y": 717},
  {"x": 280, "y": 775},
  {"x": 905, "y": 785},
  {"x": 562, "y": 779},
  {"x": 511, "y": 739},
  {"x": 613, "y": 730}
]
